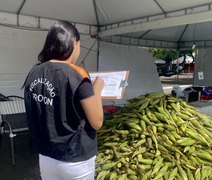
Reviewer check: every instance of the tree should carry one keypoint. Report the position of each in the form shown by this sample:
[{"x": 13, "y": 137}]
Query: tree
[
  {"x": 163, "y": 53},
  {"x": 168, "y": 55}
]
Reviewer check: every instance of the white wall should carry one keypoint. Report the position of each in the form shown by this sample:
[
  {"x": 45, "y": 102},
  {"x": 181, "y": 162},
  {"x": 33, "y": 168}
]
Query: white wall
[
  {"x": 18, "y": 53},
  {"x": 143, "y": 77},
  {"x": 19, "y": 50}
]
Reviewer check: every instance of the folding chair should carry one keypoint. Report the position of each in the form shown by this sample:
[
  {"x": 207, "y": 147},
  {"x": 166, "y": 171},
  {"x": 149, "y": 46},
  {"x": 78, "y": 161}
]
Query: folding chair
[{"x": 13, "y": 119}]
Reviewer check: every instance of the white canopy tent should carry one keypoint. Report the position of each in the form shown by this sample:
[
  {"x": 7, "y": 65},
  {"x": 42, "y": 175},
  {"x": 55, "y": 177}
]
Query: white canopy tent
[
  {"x": 150, "y": 23},
  {"x": 134, "y": 22}
]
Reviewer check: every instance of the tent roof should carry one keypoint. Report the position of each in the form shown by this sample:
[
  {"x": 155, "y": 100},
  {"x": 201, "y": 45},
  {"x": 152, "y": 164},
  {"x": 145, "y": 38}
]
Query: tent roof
[{"x": 160, "y": 23}]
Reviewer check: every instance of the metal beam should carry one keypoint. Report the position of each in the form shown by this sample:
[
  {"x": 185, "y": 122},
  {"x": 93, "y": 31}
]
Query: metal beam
[
  {"x": 98, "y": 29},
  {"x": 86, "y": 55},
  {"x": 160, "y": 6},
  {"x": 123, "y": 40},
  {"x": 140, "y": 42},
  {"x": 188, "y": 10},
  {"x": 95, "y": 11},
  {"x": 23, "y": 27},
  {"x": 169, "y": 21},
  {"x": 19, "y": 10},
  {"x": 183, "y": 33},
  {"x": 12, "y": 21},
  {"x": 21, "y": 7},
  {"x": 140, "y": 37},
  {"x": 41, "y": 17},
  {"x": 199, "y": 44}
]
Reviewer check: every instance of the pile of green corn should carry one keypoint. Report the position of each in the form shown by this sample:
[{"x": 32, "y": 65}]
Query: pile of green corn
[{"x": 155, "y": 137}]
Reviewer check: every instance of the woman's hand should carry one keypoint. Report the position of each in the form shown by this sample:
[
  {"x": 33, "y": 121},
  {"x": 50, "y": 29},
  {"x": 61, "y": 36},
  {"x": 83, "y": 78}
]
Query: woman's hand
[{"x": 98, "y": 85}]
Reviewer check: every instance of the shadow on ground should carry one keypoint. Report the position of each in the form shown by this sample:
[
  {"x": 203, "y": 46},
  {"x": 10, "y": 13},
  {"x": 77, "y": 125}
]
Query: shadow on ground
[{"x": 26, "y": 158}]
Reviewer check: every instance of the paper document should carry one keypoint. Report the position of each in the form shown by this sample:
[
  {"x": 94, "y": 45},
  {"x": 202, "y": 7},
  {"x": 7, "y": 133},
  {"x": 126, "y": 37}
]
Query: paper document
[{"x": 114, "y": 83}]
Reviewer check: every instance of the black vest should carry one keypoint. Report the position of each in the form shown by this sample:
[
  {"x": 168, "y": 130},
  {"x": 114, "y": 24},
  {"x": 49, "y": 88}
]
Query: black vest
[{"x": 59, "y": 130}]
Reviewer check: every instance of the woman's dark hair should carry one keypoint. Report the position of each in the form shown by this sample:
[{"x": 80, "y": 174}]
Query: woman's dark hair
[{"x": 59, "y": 42}]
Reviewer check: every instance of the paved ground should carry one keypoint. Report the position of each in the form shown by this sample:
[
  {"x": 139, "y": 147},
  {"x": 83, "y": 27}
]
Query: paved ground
[
  {"x": 182, "y": 80},
  {"x": 27, "y": 157},
  {"x": 26, "y": 160}
]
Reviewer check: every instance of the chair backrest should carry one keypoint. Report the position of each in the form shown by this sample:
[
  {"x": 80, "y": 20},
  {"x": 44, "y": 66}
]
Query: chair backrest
[
  {"x": 12, "y": 107},
  {"x": 14, "y": 112}
]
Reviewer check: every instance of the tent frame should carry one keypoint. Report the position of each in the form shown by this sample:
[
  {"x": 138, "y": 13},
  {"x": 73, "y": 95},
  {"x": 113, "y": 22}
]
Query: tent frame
[{"x": 114, "y": 32}]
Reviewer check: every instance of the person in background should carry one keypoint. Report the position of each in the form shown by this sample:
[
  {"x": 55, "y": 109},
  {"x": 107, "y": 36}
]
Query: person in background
[{"x": 64, "y": 108}]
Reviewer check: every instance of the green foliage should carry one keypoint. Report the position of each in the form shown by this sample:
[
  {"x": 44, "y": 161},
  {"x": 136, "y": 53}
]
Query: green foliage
[
  {"x": 170, "y": 54},
  {"x": 164, "y": 54}
]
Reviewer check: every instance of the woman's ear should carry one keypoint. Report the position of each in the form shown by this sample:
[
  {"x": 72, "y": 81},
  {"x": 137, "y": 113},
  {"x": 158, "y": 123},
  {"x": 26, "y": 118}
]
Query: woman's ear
[{"x": 75, "y": 43}]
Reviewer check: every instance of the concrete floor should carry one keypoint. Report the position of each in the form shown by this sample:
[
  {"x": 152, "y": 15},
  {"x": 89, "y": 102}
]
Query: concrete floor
[
  {"x": 26, "y": 158},
  {"x": 183, "y": 81}
]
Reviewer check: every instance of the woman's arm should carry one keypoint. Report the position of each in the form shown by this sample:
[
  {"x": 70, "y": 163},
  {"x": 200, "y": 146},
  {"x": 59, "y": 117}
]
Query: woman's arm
[{"x": 92, "y": 105}]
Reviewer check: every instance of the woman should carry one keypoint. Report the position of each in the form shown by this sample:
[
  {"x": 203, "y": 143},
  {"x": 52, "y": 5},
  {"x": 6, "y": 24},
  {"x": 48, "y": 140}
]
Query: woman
[{"x": 64, "y": 109}]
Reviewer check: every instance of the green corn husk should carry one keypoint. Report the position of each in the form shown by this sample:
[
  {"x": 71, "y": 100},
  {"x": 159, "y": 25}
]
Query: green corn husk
[{"x": 155, "y": 136}]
